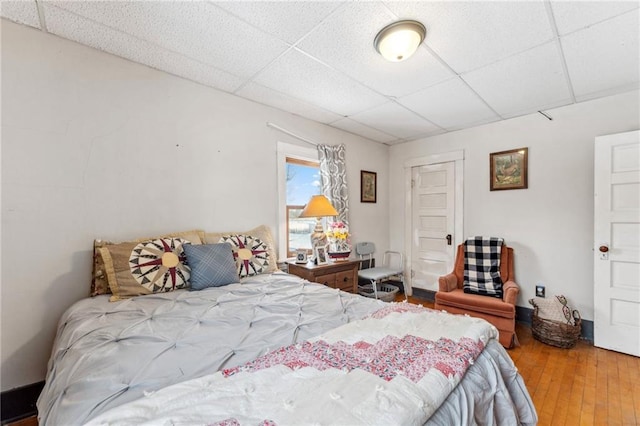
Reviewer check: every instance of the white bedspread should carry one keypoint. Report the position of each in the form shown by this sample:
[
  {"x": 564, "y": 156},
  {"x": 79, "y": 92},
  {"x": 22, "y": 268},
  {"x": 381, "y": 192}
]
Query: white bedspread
[
  {"x": 107, "y": 355},
  {"x": 395, "y": 367}
]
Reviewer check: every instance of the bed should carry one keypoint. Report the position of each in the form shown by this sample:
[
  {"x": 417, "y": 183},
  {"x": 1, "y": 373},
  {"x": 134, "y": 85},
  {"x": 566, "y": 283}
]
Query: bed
[{"x": 247, "y": 353}]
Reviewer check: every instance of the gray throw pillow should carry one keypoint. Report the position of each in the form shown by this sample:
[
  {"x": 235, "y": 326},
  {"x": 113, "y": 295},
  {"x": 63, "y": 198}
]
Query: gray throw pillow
[{"x": 212, "y": 265}]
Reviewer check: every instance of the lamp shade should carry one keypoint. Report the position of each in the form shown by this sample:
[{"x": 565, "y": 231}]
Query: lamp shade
[
  {"x": 400, "y": 40},
  {"x": 318, "y": 206}
]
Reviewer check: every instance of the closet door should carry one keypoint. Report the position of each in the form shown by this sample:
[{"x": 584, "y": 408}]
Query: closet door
[
  {"x": 617, "y": 242},
  {"x": 433, "y": 214}
]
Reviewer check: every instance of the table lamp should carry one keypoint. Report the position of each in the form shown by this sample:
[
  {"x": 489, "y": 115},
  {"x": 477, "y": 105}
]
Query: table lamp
[{"x": 318, "y": 207}]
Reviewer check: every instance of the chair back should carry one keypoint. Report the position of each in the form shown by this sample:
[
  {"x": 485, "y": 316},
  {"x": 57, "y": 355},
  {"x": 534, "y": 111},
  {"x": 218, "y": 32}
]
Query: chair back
[
  {"x": 365, "y": 249},
  {"x": 506, "y": 264},
  {"x": 365, "y": 252}
]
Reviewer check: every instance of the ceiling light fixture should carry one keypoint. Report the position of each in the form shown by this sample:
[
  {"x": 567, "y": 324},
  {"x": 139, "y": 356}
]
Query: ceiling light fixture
[{"x": 398, "y": 41}]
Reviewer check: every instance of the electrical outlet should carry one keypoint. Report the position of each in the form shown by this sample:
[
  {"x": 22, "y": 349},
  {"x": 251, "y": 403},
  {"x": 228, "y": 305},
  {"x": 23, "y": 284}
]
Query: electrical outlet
[{"x": 539, "y": 290}]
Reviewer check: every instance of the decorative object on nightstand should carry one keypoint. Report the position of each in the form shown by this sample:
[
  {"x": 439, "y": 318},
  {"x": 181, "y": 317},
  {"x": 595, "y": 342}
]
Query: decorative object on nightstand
[
  {"x": 321, "y": 255},
  {"x": 301, "y": 256},
  {"x": 318, "y": 207},
  {"x": 339, "y": 247}
]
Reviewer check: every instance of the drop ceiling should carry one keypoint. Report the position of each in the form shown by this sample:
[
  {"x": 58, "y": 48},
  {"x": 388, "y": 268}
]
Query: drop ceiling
[{"x": 481, "y": 61}]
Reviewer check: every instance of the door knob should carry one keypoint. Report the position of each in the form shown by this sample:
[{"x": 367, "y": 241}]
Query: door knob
[
  {"x": 603, "y": 248},
  {"x": 448, "y": 239}
]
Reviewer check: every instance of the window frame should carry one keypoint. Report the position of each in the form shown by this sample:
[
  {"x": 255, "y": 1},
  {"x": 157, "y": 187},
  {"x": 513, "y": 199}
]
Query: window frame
[{"x": 300, "y": 155}]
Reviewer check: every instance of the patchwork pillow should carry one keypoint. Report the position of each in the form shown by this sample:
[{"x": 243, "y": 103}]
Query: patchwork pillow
[
  {"x": 99, "y": 282},
  {"x": 482, "y": 266},
  {"x": 212, "y": 265},
  {"x": 262, "y": 233},
  {"x": 250, "y": 254},
  {"x": 554, "y": 309},
  {"x": 139, "y": 268}
]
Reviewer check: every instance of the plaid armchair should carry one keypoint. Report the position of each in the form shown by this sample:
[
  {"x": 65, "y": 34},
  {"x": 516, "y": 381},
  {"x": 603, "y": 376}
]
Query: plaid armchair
[{"x": 501, "y": 312}]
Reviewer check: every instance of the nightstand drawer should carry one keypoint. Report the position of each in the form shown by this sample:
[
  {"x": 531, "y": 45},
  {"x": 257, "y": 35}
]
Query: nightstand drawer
[
  {"x": 329, "y": 280},
  {"x": 344, "y": 281}
]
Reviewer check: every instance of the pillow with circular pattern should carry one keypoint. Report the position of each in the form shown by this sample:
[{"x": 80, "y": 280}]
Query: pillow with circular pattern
[
  {"x": 146, "y": 267},
  {"x": 250, "y": 253}
]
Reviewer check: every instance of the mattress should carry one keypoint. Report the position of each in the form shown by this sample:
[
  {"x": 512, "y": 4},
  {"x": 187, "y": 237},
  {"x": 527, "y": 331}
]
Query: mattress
[{"x": 107, "y": 355}]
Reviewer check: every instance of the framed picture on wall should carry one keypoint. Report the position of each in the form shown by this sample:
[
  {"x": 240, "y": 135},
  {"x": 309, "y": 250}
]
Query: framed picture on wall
[
  {"x": 508, "y": 169},
  {"x": 368, "y": 186}
]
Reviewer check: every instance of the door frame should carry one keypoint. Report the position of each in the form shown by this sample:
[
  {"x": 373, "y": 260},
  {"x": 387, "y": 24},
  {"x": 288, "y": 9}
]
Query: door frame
[{"x": 458, "y": 211}]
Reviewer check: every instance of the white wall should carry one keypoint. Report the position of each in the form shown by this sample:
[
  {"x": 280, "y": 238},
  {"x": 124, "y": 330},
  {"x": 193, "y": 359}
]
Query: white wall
[
  {"x": 550, "y": 224},
  {"x": 94, "y": 146}
]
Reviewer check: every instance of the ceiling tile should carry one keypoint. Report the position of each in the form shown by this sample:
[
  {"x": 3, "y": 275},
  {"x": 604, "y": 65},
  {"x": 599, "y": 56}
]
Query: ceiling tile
[
  {"x": 22, "y": 12},
  {"x": 395, "y": 120},
  {"x": 605, "y": 56},
  {"x": 194, "y": 70},
  {"x": 196, "y": 29},
  {"x": 302, "y": 77},
  {"x": 275, "y": 17},
  {"x": 354, "y": 127},
  {"x": 449, "y": 105},
  {"x": 468, "y": 35},
  {"x": 523, "y": 83},
  {"x": 575, "y": 15},
  {"x": 90, "y": 33},
  {"x": 266, "y": 96},
  {"x": 353, "y": 30}
]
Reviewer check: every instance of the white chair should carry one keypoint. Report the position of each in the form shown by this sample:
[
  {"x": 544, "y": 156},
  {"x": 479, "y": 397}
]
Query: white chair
[{"x": 392, "y": 266}]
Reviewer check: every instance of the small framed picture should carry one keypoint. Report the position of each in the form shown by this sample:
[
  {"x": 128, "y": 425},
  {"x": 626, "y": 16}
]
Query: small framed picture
[
  {"x": 301, "y": 256},
  {"x": 368, "y": 184},
  {"x": 508, "y": 169},
  {"x": 321, "y": 255}
]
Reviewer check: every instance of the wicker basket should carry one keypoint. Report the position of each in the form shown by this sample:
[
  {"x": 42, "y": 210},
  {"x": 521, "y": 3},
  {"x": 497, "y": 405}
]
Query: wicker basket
[
  {"x": 386, "y": 292},
  {"x": 556, "y": 333}
]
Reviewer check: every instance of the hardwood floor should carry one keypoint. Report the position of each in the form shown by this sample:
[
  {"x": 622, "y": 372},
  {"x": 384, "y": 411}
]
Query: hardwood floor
[
  {"x": 29, "y": 421},
  {"x": 583, "y": 385}
]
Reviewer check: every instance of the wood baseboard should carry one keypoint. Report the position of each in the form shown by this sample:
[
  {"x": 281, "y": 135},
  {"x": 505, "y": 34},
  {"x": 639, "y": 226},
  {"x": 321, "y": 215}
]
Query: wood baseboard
[{"x": 20, "y": 403}]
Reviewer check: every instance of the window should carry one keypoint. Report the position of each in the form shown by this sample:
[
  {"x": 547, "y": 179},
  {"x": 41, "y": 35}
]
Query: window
[
  {"x": 302, "y": 181},
  {"x": 298, "y": 179}
]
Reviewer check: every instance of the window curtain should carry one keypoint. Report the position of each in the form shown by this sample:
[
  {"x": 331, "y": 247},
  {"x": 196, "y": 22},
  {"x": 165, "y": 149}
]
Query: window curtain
[{"x": 333, "y": 178}]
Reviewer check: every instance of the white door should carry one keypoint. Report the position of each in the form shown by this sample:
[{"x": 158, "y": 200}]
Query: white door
[
  {"x": 432, "y": 224},
  {"x": 617, "y": 242}
]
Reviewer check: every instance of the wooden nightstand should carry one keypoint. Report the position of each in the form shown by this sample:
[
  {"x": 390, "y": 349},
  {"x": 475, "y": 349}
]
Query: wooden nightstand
[{"x": 342, "y": 274}]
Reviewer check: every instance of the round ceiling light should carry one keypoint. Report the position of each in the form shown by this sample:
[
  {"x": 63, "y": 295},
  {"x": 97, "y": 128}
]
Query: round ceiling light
[{"x": 398, "y": 41}]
